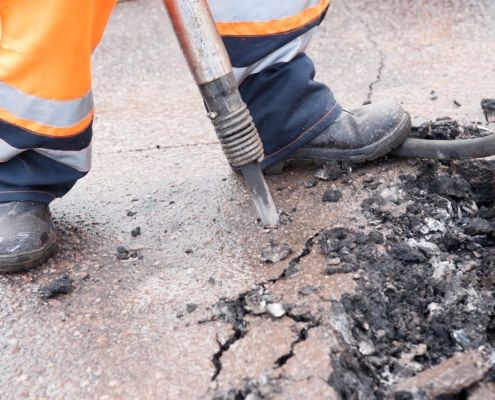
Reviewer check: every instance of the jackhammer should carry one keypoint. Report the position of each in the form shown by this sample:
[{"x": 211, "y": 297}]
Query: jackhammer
[{"x": 212, "y": 70}]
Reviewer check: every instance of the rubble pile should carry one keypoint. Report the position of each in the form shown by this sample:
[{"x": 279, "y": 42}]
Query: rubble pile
[{"x": 426, "y": 291}]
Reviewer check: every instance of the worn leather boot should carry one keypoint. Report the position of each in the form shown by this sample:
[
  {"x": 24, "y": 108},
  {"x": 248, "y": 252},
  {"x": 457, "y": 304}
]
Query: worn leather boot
[
  {"x": 27, "y": 236},
  {"x": 360, "y": 135}
]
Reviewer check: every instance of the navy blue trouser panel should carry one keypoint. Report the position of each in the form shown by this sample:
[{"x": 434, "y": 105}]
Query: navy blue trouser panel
[
  {"x": 288, "y": 106},
  {"x": 31, "y": 176}
]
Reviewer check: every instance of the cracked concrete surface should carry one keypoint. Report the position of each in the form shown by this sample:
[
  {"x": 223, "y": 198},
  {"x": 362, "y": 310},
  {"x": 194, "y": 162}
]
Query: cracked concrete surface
[{"x": 126, "y": 330}]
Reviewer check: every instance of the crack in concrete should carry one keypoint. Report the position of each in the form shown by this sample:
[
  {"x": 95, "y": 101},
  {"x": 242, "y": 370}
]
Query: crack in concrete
[
  {"x": 381, "y": 66},
  {"x": 301, "y": 337},
  {"x": 235, "y": 311},
  {"x": 159, "y": 147},
  {"x": 294, "y": 263}
]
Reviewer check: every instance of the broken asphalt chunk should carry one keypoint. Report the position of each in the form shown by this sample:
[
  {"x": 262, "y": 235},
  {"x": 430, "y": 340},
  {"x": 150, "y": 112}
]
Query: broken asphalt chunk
[
  {"x": 275, "y": 252},
  {"x": 332, "y": 240},
  {"x": 332, "y": 196},
  {"x": 450, "y": 377},
  {"x": 122, "y": 253},
  {"x": 479, "y": 226},
  {"x": 453, "y": 186},
  {"x": 407, "y": 254},
  {"x": 488, "y": 107},
  {"x": 61, "y": 285},
  {"x": 136, "y": 232}
]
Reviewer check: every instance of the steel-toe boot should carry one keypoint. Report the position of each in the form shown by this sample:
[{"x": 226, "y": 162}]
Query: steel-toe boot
[
  {"x": 359, "y": 135},
  {"x": 27, "y": 235}
]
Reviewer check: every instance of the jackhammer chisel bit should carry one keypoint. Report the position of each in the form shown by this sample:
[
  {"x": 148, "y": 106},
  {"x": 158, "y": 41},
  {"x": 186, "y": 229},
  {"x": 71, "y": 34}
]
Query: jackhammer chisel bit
[{"x": 212, "y": 70}]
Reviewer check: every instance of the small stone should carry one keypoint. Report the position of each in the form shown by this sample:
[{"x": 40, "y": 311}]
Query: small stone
[
  {"x": 256, "y": 300},
  {"x": 332, "y": 240},
  {"x": 131, "y": 213},
  {"x": 322, "y": 174},
  {"x": 347, "y": 180},
  {"x": 334, "y": 261},
  {"x": 433, "y": 225},
  {"x": 306, "y": 291},
  {"x": 376, "y": 237},
  {"x": 392, "y": 194},
  {"x": 428, "y": 248},
  {"x": 275, "y": 252},
  {"x": 366, "y": 348},
  {"x": 311, "y": 184},
  {"x": 122, "y": 253},
  {"x": 332, "y": 196},
  {"x": 189, "y": 251},
  {"x": 136, "y": 232},
  {"x": 191, "y": 307},
  {"x": 276, "y": 310}
]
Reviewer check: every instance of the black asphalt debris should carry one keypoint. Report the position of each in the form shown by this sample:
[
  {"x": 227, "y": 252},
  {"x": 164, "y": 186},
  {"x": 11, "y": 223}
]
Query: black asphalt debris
[
  {"x": 191, "y": 307},
  {"x": 122, "y": 253},
  {"x": 331, "y": 171},
  {"x": 136, "y": 232},
  {"x": 440, "y": 129},
  {"x": 488, "y": 107},
  {"x": 428, "y": 294},
  {"x": 61, "y": 285},
  {"x": 332, "y": 196},
  {"x": 311, "y": 184}
]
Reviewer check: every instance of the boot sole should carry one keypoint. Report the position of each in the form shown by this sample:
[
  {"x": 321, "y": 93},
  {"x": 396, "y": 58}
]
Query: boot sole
[
  {"x": 319, "y": 156},
  {"x": 27, "y": 261}
]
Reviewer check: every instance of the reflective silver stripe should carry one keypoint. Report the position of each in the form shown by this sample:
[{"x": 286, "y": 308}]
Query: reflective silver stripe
[
  {"x": 258, "y": 10},
  {"x": 7, "y": 152},
  {"x": 79, "y": 160},
  {"x": 56, "y": 113},
  {"x": 283, "y": 54}
]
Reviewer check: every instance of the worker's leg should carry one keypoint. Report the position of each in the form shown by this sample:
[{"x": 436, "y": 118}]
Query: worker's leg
[
  {"x": 46, "y": 112},
  {"x": 46, "y": 105},
  {"x": 266, "y": 40}
]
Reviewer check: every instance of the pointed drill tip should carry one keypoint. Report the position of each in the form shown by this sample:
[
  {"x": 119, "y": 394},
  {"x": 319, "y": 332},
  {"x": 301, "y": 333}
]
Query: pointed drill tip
[{"x": 263, "y": 200}]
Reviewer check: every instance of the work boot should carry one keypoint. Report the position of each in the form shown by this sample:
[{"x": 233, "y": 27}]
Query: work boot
[
  {"x": 27, "y": 235},
  {"x": 356, "y": 136}
]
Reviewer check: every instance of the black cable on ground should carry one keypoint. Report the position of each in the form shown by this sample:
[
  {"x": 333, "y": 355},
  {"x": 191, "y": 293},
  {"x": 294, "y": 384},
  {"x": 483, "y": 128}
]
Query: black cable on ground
[{"x": 447, "y": 149}]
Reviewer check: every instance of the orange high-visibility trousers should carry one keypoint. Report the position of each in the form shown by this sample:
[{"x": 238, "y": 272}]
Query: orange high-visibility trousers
[{"x": 46, "y": 103}]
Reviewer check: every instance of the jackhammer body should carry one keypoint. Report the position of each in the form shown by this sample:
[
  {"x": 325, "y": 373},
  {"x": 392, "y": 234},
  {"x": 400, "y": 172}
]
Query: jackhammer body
[{"x": 210, "y": 65}]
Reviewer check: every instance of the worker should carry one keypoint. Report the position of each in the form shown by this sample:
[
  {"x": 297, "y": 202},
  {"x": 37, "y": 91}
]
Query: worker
[{"x": 46, "y": 103}]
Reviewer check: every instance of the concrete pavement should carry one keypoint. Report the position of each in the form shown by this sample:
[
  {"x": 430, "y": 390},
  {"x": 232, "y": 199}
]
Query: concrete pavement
[{"x": 150, "y": 326}]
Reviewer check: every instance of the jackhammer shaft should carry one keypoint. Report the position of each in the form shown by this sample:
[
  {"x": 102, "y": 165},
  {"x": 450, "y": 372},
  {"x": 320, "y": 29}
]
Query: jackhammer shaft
[{"x": 210, "y": 65}]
